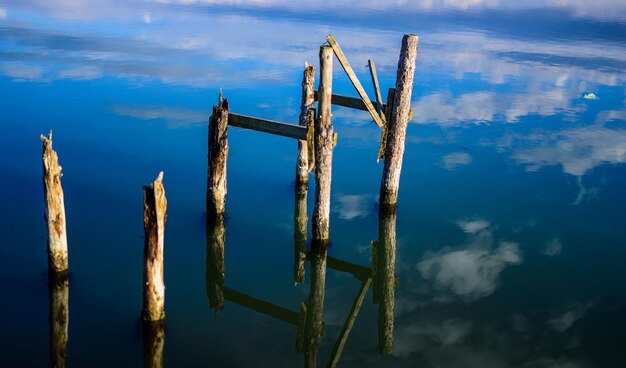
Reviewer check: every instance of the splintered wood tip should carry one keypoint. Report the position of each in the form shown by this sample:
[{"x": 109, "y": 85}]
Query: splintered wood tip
[{"x": 160, "y": 177}]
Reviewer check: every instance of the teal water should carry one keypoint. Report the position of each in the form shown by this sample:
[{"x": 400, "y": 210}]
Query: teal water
[{"x": 510, "y": 228}]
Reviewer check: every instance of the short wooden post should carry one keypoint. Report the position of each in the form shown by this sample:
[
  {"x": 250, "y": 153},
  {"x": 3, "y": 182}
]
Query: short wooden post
[
  {"x": 58, "y": 288},
  {"x": 55, "y": 208},
  {"x": 218, "y": 154},
  {"x": 396, "y": 134},
  {"x": 215, "y": 271},
  {"x": 324, "y": 143},
  {"x": 154, "y": 209},
  {"x": 300, "y": 222},
  {"x": 314, "y": 327},
  {"x": 153, "y": 344},
  {"x": 308, "y": 101},
  {"x": 385, "y": 280}
]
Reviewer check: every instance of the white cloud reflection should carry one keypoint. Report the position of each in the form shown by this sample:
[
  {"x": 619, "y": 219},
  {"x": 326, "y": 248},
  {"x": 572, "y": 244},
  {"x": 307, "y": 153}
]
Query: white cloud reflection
[
  {"x": 353, "y": 206},
  {"x": 174, "y": 118},
  {"x": 453, "y": 160}
]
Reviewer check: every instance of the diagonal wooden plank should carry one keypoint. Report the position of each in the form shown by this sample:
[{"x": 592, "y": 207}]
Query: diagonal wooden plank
[
  {"x": 355, "y": 81},
  {"x": 379, "y": 97},
  {"x": 346, "y": 101},
  {"x": 268, "y": 126}
]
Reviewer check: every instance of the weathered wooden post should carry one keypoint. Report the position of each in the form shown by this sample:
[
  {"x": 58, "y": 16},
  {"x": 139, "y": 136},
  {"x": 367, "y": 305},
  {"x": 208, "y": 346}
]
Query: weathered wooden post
[
  {"x": 154, "y": 209},
  {"x": 300, "y": 222},
  {"x": 218, "y": 154},
  {"x": 55, "y": 208},
  {"x": 396, "y": 133},
  {"x": 314, "y": 327},
  {"x": 215, "y": 270},
  {"x": 324, "y": 143},
  {"x": 153, "y": 344},
  {"x": 306, "y": 118},
  {"x": 58, "y": 288},
  {"x": 384, "y": 258}
]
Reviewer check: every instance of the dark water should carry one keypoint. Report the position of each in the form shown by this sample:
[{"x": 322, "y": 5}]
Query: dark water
[{"x": 510, "y": 231}]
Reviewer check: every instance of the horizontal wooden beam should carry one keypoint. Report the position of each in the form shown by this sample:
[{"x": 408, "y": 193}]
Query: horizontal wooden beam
[
  {"x": 351, "y": 102},
  {"x": 267, "y": 126},
  {"x": 261, "y": 306}
]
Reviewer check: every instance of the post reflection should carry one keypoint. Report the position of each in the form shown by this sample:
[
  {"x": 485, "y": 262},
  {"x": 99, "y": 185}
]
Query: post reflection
[
  {"x": 153, "y": 343},
  {"x": 58, "y": 288},
  {"x": 300, "y": 222},
  {"x": 383, "y": 274},
  {"x": 314, "y": 321},
  {"x": 215, "y": 239}
]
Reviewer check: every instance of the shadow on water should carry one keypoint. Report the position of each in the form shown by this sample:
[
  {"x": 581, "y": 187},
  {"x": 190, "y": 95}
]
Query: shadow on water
[{"x": 309, "y": 320}]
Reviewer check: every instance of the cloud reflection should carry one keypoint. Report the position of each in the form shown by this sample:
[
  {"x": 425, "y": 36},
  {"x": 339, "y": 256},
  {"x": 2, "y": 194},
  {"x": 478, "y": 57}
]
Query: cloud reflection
[{"x": 354, "y": 206}]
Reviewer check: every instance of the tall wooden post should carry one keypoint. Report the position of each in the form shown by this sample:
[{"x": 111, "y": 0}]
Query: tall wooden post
[
  {"x": 154, "y": 209},
  {"x": 153, "y": 344},
  {"x": 58, "y": 288},
  {"x": 300, "y": 222},
  {"x": 314, "y": 327},
  {"x": 55, "y": 208},
  {"x": 384, "y": 278},
  {"x": 218, "y": 154},
  {"x": 324, "y": 143},
  {"x": 215, "y": 270},
  {"x": 308, "y": 101},
  {"x": 396, "y": 134}
]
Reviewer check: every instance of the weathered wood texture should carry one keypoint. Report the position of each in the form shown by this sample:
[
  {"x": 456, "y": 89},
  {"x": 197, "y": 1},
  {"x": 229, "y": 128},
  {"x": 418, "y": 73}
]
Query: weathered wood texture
[
  {"x": 383, "y": 134},
  {"x": 314, "y": 328},
  {"x": 324, "y": 143},
  {"x": 153, "y": 344},
  {"x": 55, "y": 207},
  {"x": 396, "y": 134},
  {"x": 300, "y": 222},
  {"x": 306, "y": 106},
  {"x": 267, "y": 126},
  {"x": 345, "y": 101},
  {"x": 58, "y": 288},
  {"x": 215, "y": 270},
  {"x": 154, "y": 210},
  {"x": 385, "y": 281},
  {"x": 347, "y": 327},
  {"x": 261, "y": 306},
  {"x": 353, "y": 78},
  {"x": 379, "y": 97},
  {"x": 218, "y": 155}
]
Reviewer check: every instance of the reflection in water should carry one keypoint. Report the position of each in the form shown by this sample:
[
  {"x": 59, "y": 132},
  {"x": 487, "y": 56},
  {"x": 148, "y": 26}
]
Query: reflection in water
[
  {"x": 314, "y": 325},
  {"x": 300, "y": 232},
  {"x": 383, "y": 274},
  {"x": 153, "y": 343},
  {"x": 59, "y": 318},
  {"x": 215, "y": 238}
]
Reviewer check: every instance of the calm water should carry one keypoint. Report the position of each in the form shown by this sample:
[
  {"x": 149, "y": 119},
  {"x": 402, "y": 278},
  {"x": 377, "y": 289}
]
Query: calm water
[{"x": 510, "y": 232}]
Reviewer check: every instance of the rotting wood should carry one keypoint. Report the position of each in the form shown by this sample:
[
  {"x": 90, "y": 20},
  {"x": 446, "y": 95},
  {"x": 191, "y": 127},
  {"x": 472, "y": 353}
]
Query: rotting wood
[
  {"x": 307, "y": 104},
  {"x": 267, "y": 126},
  {"x": 215, "y": 270},
  {"x": 314, "y": 328},
  {"x": 385, "y": 282},
  {"x": 396, "y": 134},
  {"x": 347, "y": 327},
  {"x": 346, "y": 101},
  {"x": 58, "y": 288},
  {"x": 324, "y": 143},
  {"x": 218, "y": 155},
  {"x": 383, "y": 134},
  {"x": 300, "y": 222},
  {"x": 55, "y": 208},
  {"x": 353, "y": 78},
  {"x": 310, "y": 140},
  {"x": 261, "y": 306},
  {"x": 379, "y": 97},
  {"x": 154, "y": 211},
  {"x": 153, "y": 344}
]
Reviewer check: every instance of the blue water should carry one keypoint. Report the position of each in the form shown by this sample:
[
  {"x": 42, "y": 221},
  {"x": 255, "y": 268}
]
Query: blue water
[{"x": 510, "y": 227}]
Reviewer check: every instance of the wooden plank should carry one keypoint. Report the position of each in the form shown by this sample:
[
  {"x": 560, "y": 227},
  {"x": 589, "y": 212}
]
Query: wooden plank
[
  {"x": 267, "y": 126},
  {"x": 379, "y": 97},
  {"x": 346, "y": 101},
  {"x": 355, "y": 81},
  {"x": 261, "y": 306},
  {"x": 347, "y": 327}
]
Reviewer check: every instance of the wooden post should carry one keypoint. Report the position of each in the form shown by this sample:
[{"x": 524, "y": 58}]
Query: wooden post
[
  {"x": 153, "y": 344},
  {"x": 55, "y": 208},
  {"x": 215, "y": 271},
  {"x": 218, "y": 153},
  {"x": 300, "y": 222},
  {"x": 314, "y": 327},
  {"x": 324, "y": 142},
  {"x": 308, "y": 101},
  {"x": 399, "y": 119},
  {"x": 154, "y": 209},
  {"x": 58, "y": 288},
  {"x": 385, "y": 280}
]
